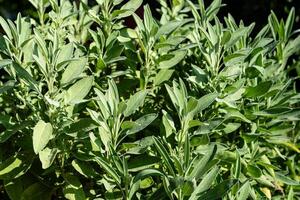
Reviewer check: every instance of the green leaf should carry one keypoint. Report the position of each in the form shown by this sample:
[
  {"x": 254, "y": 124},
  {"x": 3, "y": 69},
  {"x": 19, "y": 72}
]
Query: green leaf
[
  {"x": 41, "y": 43},
  {"x": 206, "y": 182},
  {"x": 202, "y": 166},
  {"x": 233, "y": 113},
  {"x": 285, "y": 179},
  {"x": 141, "y": 162},
  {"x": 4, "y": 63},
  {"x": 162, "y": 76},
  {"x": 7, "y": 86},
  {"x": 134, "y": 102},
  {"x": 73, "y": 70},
  {"x": 244, "y": 191},
  {"x": 82, "y": 125},
  {"x": 291, "y": 194},
  {"x": 168, "y": 124},
  {"x": 165, "y": 155},
  {"x": 254, "y": 171},
  {"x": 47, "y": 157},
  {"x": 5, "y": 135},
  {"x": 237, "y": 35},
  {"x": 172, "y": 97},
  {"x": 6, "y": 28},
  {"x": 231, "y": 127},
  {"x": 274, "y": 24},
  {"x": 218, "y": 191},
  {"x": 84, "y": 168},
  {"x": 141, "y": 175},
  {"x": 205, "y": 101},
  {"x": 73, "y": 189},
  {"x": 65, "y": 54},
  {"x": 15, "y": 166},
  {"x": 26, "y": 76},
  {"x": 14, "y": 188},
  {"x": 128, "y": 8},
  {"x": 110, "y": 170},
  {"x": 37, "y": 191},
  {"x": 187, "y": 188},
  {"x": 169, "y": 27},
  {"x": 289, "y": 23},
  {"x": 292, "y": 47},
  {"x": 141, "y": 123},
  {"x": 259, "y": 90},
  {"x": 171, "y": 59},
  {"x": 42, "y": 133},
  {"x": 79, "y": 90}
]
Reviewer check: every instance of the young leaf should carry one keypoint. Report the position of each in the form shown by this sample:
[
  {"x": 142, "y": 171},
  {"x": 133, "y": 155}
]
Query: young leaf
[
  {"x": 289, "y": 23},
  {"x": 6, "y": 28},
  {"x": 128, "y": 8}
]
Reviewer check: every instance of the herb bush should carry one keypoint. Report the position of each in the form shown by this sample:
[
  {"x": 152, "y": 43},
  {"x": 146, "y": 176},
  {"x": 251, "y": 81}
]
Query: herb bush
[{"x": 187, "y": 106}]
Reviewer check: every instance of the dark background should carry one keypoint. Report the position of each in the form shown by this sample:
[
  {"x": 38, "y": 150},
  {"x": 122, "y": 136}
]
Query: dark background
[{"x": 248, "y": 10}]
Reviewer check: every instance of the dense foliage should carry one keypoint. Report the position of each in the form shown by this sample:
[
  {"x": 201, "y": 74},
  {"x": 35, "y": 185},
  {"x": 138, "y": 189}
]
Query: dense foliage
[{"x": 180, "y": 107}]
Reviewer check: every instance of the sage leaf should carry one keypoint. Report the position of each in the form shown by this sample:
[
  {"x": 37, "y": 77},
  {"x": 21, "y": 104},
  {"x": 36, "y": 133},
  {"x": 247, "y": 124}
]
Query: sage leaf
[{"x": 42, "y": 134}]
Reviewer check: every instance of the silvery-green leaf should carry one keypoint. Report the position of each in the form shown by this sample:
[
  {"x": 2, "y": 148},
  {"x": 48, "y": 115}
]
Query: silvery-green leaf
[
  {"x": 168, "y": 123},
  {"x": 42, "y": 133},
  {"x": 205, "y": 183},
  {"x": 65, "y": 53},
  {"x": 84, "y": 168},
  {"x": 128, "y": 8},
  {"x": 141, "y": 123},
  {"x": 259, "y": 90},
  {"x": 171, "y": 59},
  {"x": 5, "y": 62},
  {"x": 162, "y": 76},
  {"x": 134, "y": 102},
  {"x": 47, "y": 157},
  {"x": 73, "y": 70},
  {"x": 218, "y": 191},
  {"x": 6, "y": 27},
  {"x": 79, "y": 90}
]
